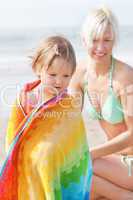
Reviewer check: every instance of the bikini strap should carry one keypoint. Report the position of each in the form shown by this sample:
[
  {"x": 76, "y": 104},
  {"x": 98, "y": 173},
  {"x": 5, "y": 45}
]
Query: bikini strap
[
  {"x": 111, "y": 72},
  {"x": 85, "y": 86},
  {"x": 85, "y": 83}
]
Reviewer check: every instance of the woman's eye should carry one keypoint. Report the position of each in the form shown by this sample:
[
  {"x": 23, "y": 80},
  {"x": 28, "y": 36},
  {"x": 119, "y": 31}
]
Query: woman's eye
[{"x": 107, "y": 40}]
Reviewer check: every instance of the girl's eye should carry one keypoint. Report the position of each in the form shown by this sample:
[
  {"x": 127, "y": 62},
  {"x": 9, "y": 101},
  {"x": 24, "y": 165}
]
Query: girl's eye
[
  {"x": 66, "y": 76},
  {"x": 52, "y": 74}
]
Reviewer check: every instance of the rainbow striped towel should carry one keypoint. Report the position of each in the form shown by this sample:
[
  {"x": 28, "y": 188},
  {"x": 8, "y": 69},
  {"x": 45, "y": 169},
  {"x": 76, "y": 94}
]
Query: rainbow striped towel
[{"x": 48, "y": 158}]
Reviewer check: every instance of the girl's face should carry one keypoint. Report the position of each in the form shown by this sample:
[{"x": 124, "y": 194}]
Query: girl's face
[
  {"x": 102, "y": 46},
  {"x": 57, "y": 77}
]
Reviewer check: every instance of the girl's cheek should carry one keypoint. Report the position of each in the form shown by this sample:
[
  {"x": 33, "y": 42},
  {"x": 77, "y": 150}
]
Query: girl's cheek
[{"x": 50, "y": 80}]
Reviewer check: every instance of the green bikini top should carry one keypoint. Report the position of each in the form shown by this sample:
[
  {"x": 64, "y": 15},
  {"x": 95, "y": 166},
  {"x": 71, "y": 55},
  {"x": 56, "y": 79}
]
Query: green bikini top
[{"x": 111, "y": 111}]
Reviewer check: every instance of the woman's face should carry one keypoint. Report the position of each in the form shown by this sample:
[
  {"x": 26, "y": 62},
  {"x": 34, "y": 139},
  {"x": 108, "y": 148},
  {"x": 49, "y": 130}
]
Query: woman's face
[
  {"x": 57, "y": 77},
  {"x": 102, "y": 45}
]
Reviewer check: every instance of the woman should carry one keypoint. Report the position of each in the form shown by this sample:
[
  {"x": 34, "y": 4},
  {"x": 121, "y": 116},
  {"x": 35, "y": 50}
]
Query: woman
[
  {"x": 46, "y": 160},
  {"x": 108, "y": 84}
]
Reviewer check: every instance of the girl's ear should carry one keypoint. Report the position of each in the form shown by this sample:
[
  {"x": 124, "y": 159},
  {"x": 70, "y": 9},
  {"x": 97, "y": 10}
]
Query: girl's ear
[{"x": 38, "y": 70}]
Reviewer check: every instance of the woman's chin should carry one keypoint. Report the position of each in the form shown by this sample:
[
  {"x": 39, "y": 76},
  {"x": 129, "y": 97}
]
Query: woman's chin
[{"x": 99, "y": 58}]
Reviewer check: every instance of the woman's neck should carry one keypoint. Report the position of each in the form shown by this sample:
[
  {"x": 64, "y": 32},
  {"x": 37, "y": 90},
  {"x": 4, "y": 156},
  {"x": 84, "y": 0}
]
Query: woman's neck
[{"x": 99, "y": 68}]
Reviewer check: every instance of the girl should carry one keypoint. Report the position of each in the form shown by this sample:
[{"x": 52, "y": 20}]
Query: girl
[{"x": 47, "y": 148}]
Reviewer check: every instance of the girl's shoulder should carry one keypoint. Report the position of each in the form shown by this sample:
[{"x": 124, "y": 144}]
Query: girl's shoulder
[
  {"x": 28, "y": 96},
  {"x": 30, "y": 86}
]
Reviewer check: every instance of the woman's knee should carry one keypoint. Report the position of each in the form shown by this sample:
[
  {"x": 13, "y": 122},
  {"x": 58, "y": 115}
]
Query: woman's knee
[{"x": 113, "y": 170}]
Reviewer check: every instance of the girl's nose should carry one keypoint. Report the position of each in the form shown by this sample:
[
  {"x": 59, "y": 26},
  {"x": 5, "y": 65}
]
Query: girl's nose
[{"x": 58, "y": 81}]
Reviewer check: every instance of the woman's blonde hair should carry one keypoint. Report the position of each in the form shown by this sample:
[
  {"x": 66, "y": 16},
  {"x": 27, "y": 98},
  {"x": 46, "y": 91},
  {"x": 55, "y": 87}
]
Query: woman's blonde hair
[
  {"x": 97, "y": 22},
  {"x": 51, "y": 48}
]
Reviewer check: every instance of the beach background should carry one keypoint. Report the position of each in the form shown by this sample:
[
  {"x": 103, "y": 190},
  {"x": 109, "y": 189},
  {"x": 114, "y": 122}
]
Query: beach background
[{"x": 17, "y": 44}]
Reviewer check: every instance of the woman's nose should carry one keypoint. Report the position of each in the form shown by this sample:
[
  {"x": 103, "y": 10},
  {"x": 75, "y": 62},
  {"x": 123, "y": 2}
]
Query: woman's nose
[{"x": 100, "y": 46}]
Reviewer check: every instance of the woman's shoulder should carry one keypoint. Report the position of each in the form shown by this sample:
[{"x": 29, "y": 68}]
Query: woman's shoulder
[
  {"x": 82, "y": 66},
  {"x": 123, "y": 76},
  {"x": 78, "y": 76},
  {"x": 81, "y": 70},
  {"x": 124, "y": 73}
]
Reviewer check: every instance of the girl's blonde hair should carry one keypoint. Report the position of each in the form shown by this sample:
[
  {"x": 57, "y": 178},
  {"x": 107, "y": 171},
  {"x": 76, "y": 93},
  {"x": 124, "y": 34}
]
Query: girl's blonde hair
[
  {"x": 96, "y": 24},
  {"x": 51, "y": 48}
]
